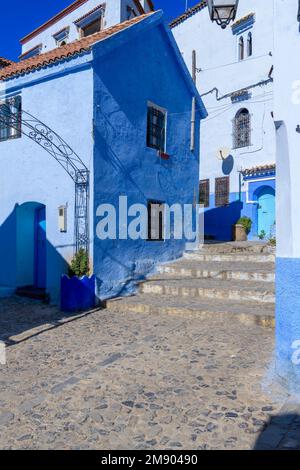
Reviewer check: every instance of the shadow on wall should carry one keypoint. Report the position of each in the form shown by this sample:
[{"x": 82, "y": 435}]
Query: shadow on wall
[
  {"x": 281, "y": 433},
  {"x": 22, "y": 263},
  {"x": 218, "y": 222}
]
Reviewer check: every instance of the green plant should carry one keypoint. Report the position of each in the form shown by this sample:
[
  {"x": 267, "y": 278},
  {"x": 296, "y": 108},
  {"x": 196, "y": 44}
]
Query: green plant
[
  {"x": 262, "y": 235},
  {"x": 246, "y": 222},
  {"x": 272, "y": 241},
  {"x": 80, "y": 264}
]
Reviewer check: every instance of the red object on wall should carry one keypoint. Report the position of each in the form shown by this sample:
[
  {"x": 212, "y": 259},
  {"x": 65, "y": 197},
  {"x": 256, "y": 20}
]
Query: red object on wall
[{"x": 163, "y": 155}]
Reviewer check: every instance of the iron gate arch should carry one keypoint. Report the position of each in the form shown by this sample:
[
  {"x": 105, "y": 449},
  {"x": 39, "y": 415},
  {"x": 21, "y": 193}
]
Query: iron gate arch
[{"x": 12, "y": 116}]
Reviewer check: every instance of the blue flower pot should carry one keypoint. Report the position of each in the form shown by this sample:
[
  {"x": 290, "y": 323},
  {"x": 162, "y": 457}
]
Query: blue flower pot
[{"x": 77, "y": 294}]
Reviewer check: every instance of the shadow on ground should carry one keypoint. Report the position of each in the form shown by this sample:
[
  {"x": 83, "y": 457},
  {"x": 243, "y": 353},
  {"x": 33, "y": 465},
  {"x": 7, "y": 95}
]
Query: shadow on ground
[
  {"x": 21, "y": 324},
  {"x": 281, "y": 433}
]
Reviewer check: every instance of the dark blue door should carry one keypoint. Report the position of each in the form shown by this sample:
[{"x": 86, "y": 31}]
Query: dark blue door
[{"x": 40, "y": 248}]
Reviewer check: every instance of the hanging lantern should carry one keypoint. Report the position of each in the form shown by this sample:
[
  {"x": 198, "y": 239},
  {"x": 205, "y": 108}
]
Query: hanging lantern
[{"x": 222, "y": 11}]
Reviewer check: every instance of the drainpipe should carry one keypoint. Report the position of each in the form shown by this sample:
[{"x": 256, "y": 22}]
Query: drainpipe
[{"x": 193, "y": 119}]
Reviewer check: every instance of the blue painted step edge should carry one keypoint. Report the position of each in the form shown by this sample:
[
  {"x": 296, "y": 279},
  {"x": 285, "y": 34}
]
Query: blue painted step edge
[{"x": 77, "y": 294}]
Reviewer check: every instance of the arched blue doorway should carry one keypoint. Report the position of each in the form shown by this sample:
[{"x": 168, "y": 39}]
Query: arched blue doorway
[{"x": 265, "y": 210}]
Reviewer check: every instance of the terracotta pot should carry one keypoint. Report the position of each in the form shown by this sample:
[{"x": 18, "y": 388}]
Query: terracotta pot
[{"x": 239, "y": 233}]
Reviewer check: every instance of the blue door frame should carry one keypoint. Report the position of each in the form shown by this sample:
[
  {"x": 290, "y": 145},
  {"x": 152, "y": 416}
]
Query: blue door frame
[{"x": 40, "y": 241}]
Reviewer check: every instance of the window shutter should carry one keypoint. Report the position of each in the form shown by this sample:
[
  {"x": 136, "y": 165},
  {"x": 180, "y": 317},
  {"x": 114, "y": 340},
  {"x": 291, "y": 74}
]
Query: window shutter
[
  {"x": 204, "y": 193},
  {"x": 222, "y": 191}
]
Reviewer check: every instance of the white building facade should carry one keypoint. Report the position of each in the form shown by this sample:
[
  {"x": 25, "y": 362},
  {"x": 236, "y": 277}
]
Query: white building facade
[
  {"x": 238, "y": 146},
  {"x": 80, "y": 19},
  {"x": 287, "y": 121}
]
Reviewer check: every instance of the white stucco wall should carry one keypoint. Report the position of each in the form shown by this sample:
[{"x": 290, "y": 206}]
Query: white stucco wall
[
  {"x": 287, "y": 117},
  {"x": 61, "y": 97},
  {"x": 217, "y": 57},
  {"x": 115, "y": 12}
]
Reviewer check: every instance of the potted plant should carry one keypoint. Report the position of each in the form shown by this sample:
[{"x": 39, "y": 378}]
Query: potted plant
[
  {"x": 78, "y": 288},
  {"x": 241, "y": 229}
]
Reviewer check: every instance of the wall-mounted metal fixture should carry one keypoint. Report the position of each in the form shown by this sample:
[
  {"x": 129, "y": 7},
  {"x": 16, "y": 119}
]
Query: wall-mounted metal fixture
[
  {"x": 222, "y": 11},
  {"x": 62, "y": 219}
]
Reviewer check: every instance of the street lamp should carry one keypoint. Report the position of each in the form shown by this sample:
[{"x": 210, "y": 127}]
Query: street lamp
[{"x": 222, "y": 11}]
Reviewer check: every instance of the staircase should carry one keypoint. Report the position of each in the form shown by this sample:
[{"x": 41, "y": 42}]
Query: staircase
[{"x": 228, "y": 281}]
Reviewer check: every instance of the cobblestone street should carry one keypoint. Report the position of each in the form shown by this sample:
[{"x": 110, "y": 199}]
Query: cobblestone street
[{"x": 108, "y": 380}]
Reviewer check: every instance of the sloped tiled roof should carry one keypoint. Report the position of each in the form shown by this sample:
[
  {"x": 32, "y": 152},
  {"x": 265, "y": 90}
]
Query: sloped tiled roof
[
  {"x": 5, "y": 62},
  {"x": 188, "y": 13},
  {"x": 259, "y": 169},
  {"x": 86, "y": 15},
  {"x": 66, "y": 51}
]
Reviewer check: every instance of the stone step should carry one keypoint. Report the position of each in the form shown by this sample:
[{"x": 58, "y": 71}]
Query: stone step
[
  {"x": 237, "y": 247},
  {"x": 248, "y": 313},
  {"x": 211, "y": 289},
  {"x": 6, "y": 291},
  {"x": 206, "y": 257},
  {"x": 191, "y": 269}
]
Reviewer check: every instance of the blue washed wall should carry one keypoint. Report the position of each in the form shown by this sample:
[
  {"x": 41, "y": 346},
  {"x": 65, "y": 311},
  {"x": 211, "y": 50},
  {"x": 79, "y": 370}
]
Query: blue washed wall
[
  {"x": 288, "y": 320},
  {"x": 28, "y": 174},
  {"x": 144, "y": 68},
  {"x": 219, "y": 220}
]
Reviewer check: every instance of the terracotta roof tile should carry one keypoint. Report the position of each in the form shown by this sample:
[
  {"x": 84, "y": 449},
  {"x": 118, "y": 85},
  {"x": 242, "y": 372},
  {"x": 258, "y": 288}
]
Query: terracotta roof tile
[
  {"x": 86, "y": 15},
  {"x": 243, "y": 19},
  {"x": 259, "y": 169},
  {"x": 188, "y": 13},
  {"x": 66, "y": 51},
  {"x": 5, "y": 62}
]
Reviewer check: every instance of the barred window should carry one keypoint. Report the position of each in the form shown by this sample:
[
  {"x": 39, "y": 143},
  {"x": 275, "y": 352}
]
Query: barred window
[
  {"x": 156, "y": 128},
  {"x": 10, "y": 118},
  {"x": 204, "y": 193},
  {"x": 222, "y": 191},
  {"x": 242, "y": 129}
]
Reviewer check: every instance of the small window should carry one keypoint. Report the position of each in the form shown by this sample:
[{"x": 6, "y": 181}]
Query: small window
[
  {"x": 61, "y": 38},
  {"x": 91, "y": 28},
  {"x": 204, "y": 193},
  {"x": 156, "y": 219},
  {"x": 222, "y": 191},
  {"x": 241, "y": 48},
  {"x": 10, "y": 118},
  {"x": 242, "y": 129},
  {"x": 156, "y": 128},
  {"x": 249, "y": 45}
]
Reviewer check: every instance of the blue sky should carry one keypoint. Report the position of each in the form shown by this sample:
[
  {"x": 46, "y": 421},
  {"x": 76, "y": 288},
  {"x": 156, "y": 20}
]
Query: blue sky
[{"x": 20, "y": 17}]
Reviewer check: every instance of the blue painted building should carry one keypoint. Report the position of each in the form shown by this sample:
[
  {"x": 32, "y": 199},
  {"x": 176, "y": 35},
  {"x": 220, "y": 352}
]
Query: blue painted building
[
  {"x": 103, "y": 95},
  {"x": 238, "y": 144}
]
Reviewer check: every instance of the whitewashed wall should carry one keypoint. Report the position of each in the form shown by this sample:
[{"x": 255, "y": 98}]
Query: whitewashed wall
[
  {"x": 217, "y": 57},
  {"x": 115, "y": 12}
]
